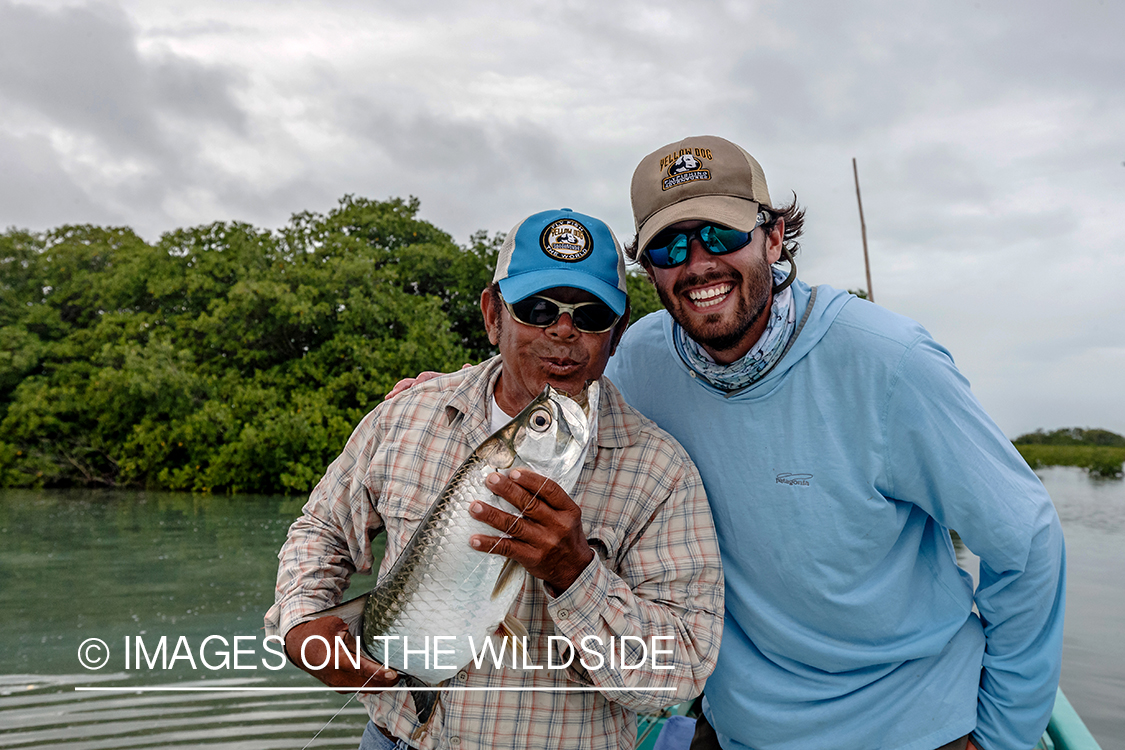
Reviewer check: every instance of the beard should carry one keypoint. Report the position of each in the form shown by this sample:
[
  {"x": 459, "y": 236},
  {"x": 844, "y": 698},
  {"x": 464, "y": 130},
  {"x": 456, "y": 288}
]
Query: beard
[{"x": 752, "y": 296}]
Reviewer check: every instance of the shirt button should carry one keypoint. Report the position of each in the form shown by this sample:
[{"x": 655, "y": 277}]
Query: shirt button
[
  {"x": 563, "y": 614},
  {"x": 455, "y": 741},
  {"x": 692, "y": 374},
  {"x": 462, "y": 675}
]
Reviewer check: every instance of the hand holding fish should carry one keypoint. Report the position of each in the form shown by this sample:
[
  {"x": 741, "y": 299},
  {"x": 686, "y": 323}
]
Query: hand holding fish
[
  {"x": 340, "y": 671},
  {"x": 546, "y": 539}
]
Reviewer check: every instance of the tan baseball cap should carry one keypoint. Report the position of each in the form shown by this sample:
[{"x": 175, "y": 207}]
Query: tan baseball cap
[{"x": 703, "y": 178}]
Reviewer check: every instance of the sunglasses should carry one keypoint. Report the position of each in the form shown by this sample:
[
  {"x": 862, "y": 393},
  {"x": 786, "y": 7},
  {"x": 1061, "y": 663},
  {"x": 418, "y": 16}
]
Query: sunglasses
[
  {"x": 543, "y": 312},
  {"x": 669, "y": 248}
]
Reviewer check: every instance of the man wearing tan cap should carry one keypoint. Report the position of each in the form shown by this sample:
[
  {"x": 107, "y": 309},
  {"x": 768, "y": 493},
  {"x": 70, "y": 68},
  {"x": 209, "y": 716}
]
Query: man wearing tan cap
[{"x": 838, "y": 445}]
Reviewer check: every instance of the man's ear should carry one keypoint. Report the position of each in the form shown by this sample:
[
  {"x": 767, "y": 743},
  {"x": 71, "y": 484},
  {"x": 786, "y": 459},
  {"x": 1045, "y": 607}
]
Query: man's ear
[
  {"x": 619, "y": 328},
  {"x": 491, "y": 316},
  {"x": 773, "y": 241}
]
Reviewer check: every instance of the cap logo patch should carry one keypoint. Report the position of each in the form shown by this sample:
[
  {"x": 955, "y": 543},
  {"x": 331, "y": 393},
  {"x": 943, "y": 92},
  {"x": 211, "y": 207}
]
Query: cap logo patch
[
  {"x": 566, "y": 240},
  {"x": 684, "y": 166}
]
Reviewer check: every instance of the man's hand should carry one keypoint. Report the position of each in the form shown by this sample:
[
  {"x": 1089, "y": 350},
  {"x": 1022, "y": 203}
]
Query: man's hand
[
  {"x": 547, "y": 539},
  {"x": 422, "y": 377},
  {"x": 369, "y": 675}
]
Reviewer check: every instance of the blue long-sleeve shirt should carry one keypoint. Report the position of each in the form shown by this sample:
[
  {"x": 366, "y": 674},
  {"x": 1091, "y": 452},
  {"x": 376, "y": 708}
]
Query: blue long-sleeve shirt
[{"x": 833, "y": 483}]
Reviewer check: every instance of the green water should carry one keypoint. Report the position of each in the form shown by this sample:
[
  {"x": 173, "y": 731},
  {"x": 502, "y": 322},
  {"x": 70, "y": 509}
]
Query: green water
[
  {"x": 78, "y": 565},
  {"x": 110, "y": 565}
]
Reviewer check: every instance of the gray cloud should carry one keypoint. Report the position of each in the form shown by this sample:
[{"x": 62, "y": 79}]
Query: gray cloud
[
  {"x": 80, "y": 67},
  {"x": 35, "y": 191},
  {"x": 988, "y": 139},
  {"x": 112, "y": 113}
]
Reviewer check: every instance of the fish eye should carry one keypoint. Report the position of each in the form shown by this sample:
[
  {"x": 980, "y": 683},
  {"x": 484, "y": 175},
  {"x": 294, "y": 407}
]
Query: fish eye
[{"x": 540, "y": 420}]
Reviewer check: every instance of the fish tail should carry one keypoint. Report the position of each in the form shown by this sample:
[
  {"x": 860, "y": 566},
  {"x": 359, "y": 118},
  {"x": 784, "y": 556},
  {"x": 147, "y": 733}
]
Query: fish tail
[{"x": 351, "y": 612}]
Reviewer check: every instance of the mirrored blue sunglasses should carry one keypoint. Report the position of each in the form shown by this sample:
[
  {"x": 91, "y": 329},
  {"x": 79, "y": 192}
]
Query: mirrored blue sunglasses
[{"x": 669, "y": 248}]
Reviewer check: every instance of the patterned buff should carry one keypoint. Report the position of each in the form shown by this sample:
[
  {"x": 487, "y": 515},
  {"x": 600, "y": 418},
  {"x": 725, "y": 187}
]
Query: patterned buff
[{"x": 761, "y": 357}]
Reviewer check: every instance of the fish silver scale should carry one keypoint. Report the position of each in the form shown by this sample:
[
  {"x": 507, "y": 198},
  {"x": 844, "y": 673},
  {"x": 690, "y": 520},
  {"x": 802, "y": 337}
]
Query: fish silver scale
[{"x": 440, "y": 586}]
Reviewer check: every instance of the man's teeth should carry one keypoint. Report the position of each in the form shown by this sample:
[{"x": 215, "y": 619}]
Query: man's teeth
[{"x": 710, "y": 296}]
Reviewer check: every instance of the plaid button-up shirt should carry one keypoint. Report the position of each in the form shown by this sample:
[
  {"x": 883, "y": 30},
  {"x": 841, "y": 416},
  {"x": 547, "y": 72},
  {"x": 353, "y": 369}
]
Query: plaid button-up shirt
[{"x": 657, "y": 570}]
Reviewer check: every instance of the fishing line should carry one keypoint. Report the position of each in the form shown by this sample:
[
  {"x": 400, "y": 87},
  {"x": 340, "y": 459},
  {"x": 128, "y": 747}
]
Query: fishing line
[
  {"x": 507, "y": 535},
  {"x": 463, "y": 582},
  {"x": 332, "y": 718},
  {"x": 507, "y": 531}
]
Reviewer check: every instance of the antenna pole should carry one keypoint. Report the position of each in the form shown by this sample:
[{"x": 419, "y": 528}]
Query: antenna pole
[{"x": 863, "y": 229}]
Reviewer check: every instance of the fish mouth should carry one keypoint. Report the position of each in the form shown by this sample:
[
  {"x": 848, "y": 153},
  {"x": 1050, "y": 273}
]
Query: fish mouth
[
  {"x": 711, "y": 295},
  {"x": 582, "y": 397}
]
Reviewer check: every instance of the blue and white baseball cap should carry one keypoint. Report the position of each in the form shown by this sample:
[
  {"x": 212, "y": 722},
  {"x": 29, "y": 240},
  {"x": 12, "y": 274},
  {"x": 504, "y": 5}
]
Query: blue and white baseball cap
[{"x": 562, "y": 248}]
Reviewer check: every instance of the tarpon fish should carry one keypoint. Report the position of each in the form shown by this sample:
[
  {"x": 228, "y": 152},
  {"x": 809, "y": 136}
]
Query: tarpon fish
[{"x": 439, "y": 585}]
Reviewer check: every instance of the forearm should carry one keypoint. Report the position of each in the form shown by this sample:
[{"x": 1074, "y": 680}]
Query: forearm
[
  {"x": 947, "y": 456},
  {"x": 1023, "y": 616},
  {"x": 325, "y": 546},
  {"x": 314, "y": 569}
]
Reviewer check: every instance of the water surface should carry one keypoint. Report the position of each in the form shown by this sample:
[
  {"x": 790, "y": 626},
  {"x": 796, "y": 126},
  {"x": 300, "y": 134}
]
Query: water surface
[
  {"x": 1092, "y": 512},
  {"x": 75, "y": 565}
]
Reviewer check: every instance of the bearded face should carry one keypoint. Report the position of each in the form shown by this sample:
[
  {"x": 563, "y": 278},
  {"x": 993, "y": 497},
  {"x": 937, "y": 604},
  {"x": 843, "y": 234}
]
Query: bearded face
[{"x": 721, "y": 300}]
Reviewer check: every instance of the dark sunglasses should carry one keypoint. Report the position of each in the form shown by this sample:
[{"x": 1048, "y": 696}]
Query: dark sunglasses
[
  {"x": 669, "y": 248},
  {"x": 543, "y": 312}
]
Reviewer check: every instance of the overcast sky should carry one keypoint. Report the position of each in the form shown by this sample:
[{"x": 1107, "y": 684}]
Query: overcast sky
[{"x": 989, "y": 137}]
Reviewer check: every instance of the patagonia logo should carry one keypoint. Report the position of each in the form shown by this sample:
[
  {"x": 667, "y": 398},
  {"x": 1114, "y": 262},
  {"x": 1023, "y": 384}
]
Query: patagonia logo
[
  {"x": 566, "y": 240},
  {"x": 685, "y": 166},
  {"x": 794, "y": 479}
]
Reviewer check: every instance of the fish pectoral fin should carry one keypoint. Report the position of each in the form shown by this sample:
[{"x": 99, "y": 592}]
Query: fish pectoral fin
[
  {"x": 351, "y": 612},
  {"x": 513, "y": 627},
  {"x": 507, "y": 575},
  {"x": 514, "y": 630}
]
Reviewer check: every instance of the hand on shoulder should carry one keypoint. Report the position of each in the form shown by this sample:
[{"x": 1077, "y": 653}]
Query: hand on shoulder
[{"x": 406, "y": 383}]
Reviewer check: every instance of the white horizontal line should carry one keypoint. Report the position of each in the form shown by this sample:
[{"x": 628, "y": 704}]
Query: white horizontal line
[{"x": 370, "y": 690}]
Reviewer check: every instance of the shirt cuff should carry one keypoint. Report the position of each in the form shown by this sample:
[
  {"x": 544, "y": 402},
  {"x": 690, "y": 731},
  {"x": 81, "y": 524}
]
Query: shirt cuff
[
  {"x": 583, "y": 601},
  {"x": 289, "y": 613}
]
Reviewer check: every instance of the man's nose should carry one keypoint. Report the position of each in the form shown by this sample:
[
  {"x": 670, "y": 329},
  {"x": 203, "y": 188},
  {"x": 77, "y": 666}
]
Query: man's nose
[
  {"x": 698, "y": 255},
  {"x": 563, "y": 327}
]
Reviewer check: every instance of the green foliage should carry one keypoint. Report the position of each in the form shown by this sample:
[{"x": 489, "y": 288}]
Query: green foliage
[
  {"x": 224, "y": 357},
  {"x": 643, "y": 298},
  {"x": 1072, "y": 436},
  {"x": 1103, "y": 461}
]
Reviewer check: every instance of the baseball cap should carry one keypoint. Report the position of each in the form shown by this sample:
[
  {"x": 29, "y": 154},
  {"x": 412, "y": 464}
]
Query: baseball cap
[
  {"x": 562, "y": 248},
  {"x": 704, "y": 178}
]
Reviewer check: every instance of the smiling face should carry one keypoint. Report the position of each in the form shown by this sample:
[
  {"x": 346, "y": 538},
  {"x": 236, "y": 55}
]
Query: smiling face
[
  {"x": 559, "y": 354},
  {"x": 719, "y": 300}
]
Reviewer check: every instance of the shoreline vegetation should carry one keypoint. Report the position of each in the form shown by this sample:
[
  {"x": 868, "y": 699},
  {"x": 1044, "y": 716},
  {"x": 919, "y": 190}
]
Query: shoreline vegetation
[
  {"x": 227, "y": 358},
  {"x": 1100, "y": 452}
]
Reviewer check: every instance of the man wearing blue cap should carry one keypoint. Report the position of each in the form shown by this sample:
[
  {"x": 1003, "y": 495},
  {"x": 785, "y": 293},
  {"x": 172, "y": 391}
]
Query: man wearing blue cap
[{"x": 633, "y": 554}]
